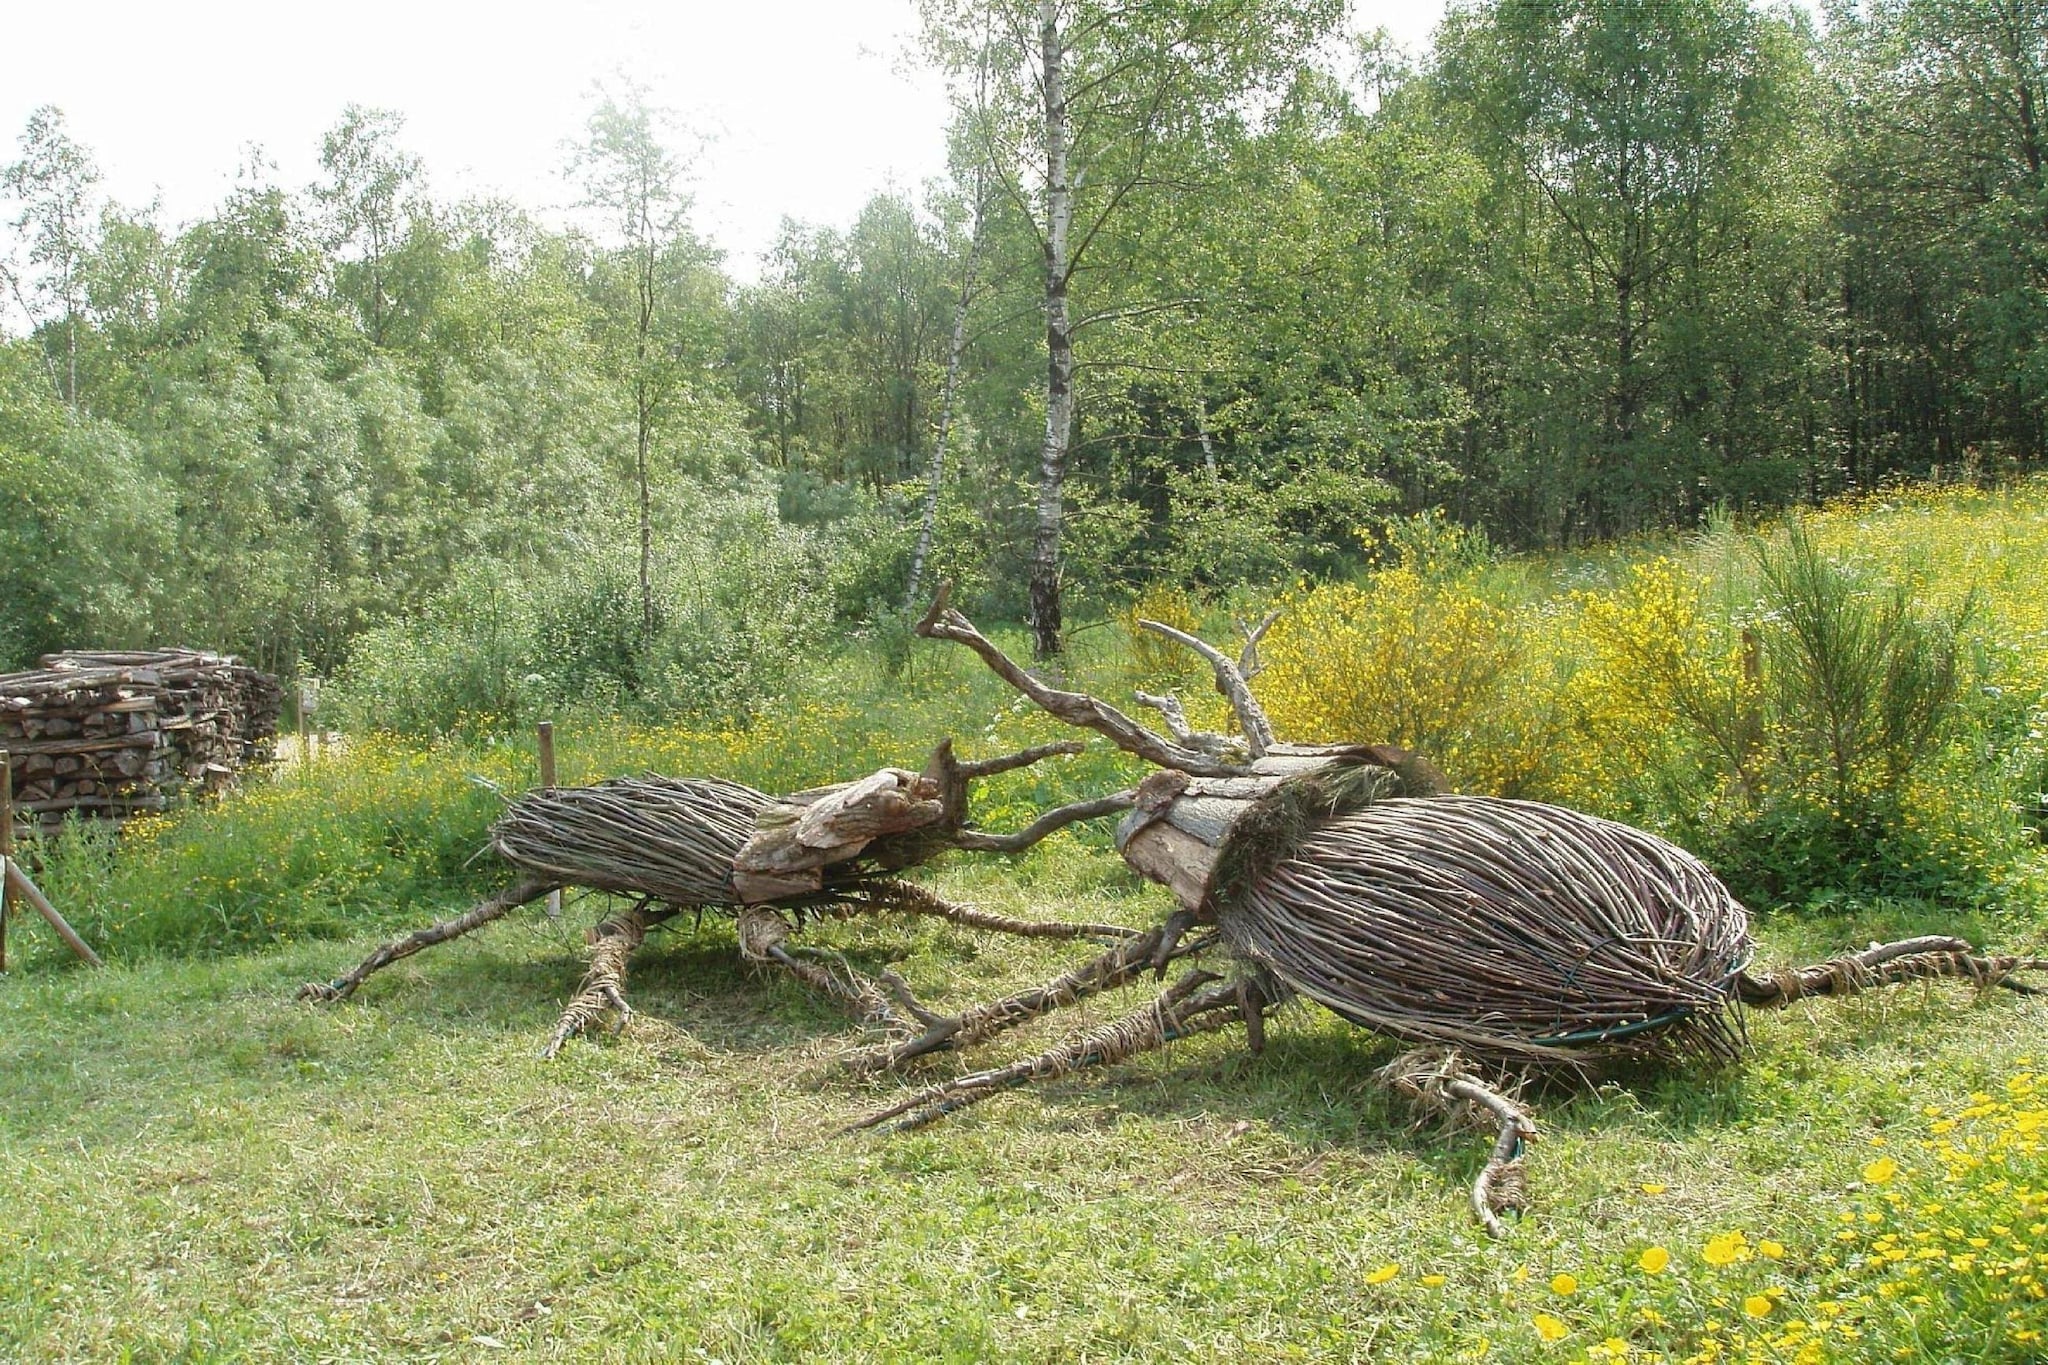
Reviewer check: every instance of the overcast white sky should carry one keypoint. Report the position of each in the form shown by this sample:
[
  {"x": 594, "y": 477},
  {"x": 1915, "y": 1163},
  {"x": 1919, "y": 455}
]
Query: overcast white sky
[{"x": 812, "y": 107}]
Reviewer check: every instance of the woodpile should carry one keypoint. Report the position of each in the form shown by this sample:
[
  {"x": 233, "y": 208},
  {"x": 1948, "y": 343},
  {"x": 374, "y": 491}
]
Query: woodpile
[{"x": 111, "y": 733}]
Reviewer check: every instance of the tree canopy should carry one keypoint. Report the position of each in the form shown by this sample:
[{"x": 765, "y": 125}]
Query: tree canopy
[{"x": 1243, "y": 287}]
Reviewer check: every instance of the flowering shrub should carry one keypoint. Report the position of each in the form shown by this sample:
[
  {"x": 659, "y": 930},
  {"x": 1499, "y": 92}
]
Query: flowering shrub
[
  {"x": 1853, "y": 710},
  {"x": 1424, "y": 664},
  {"x": 1153, "y": 656},
  {"x": 1663, "y": 701}
]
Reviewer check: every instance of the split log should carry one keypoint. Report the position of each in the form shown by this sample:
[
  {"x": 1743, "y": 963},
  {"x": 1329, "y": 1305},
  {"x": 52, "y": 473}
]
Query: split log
[{"x": 810, "y": 842}]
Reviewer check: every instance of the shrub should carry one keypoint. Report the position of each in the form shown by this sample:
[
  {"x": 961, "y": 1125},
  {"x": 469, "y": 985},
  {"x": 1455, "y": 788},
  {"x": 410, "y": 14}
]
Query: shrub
[
  {"x": 457, "y": 667},
  {"x": 1420, "y": 663},
  {"x": 1154, "y": 656},
  {"x": 1864, "y": 682},
  {"x": 1232, "y": 532},
  {"x": 1805, "y": 741},
  {"x": 738, "y": 606}
]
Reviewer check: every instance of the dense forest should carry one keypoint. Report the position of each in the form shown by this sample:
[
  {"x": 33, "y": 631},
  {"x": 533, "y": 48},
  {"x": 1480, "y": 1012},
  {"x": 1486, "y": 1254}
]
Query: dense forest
[{"x": 1214, "y": 290}]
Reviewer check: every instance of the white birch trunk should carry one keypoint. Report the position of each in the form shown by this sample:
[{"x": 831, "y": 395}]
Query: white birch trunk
[
  {"x": 643, "y": 415},
  {"x": 1059, "y": 345}
]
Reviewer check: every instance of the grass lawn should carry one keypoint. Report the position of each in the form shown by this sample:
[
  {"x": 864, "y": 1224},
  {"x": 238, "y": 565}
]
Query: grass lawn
[
  {"x": 195, "y": 1167},
  {"x": 192, "y": 1166}
]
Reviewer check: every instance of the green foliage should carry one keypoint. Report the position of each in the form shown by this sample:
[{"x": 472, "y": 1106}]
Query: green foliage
[
  {"x": 740, "y": 605},
  {"x": 1236, "y": 533},
  {"x": 1586, "y": 267},
  {"x": 1862, "y": 686},
  {"x": 319, "y": 851},
  {"x": 1846, "y": 708},
  {"x": 456, "y": 668}
]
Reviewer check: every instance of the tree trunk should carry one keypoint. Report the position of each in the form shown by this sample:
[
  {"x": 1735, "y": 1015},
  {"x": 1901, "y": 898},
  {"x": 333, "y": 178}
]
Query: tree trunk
[
  {"x": 643, "y": 423},
  {"x": 928, "y": 525},
  {"x": 1059, "y": 347},
  {"x": 1202, "y": 431}
]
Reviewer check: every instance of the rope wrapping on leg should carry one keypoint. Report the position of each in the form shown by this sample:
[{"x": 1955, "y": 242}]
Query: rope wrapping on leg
[
  {"x": 952, "y": 1033},
  {"x": 1185, "y": 1009},
  {"x": 604, "y": 984},
  {"x": 763, "y": 933},
  {"x": 1441, "y": 1080},
  {"x": 1929, "y": 958}
]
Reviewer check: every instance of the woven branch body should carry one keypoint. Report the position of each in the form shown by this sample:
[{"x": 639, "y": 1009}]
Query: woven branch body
[
  {"x": 1515, "y": 931},
  {"x": 710, "y": 842},
  {"x": 1519, "y": 932},
  {"x": 670, "y": 839}
]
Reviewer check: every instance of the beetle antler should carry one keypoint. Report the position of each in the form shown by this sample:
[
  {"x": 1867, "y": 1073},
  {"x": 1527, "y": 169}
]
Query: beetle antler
[
  {"x": 1078, "y": 708},
  {"x": 1230, "y": 681}
]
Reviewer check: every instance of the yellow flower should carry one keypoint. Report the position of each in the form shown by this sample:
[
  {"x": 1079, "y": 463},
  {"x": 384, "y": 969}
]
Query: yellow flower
[
  {"x": 1774, "y": 1250},
  {"x": 1548, "y": 1327},
  {"x": 1726, "y": 1249},
  {"x": 1564, "y": 1285},
  {"x": 1880, "y": 1170},
  {"x": 1383, "y": 1274},
  {"x": 1757, "y": 1306},
  {"x": 1653, "y": 1189},
  {"x": 1433, "y": 1281},
  {"x": 1654, "y": 1261}
]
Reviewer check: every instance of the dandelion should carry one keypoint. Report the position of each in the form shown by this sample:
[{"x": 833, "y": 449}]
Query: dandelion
[
  {"x": 1549, "y": 1328},
  {"x": 1433, "y": 1281},
  {"x": 1654, "y": 1261},
  {"x": 1653, "y": 1189},
  {"x": 1880, "y": 1171},
  {"x": 1757, "y": 1306},
  {"x": 1773, "y": 1250},
  {"x": 1383, "y": 1274},
  {"x": 1564, "y": 1285}
]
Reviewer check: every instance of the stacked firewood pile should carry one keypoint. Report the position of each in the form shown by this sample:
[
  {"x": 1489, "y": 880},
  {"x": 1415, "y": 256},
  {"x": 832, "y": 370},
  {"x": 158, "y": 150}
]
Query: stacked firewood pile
[{"x": 110, "y": 734}]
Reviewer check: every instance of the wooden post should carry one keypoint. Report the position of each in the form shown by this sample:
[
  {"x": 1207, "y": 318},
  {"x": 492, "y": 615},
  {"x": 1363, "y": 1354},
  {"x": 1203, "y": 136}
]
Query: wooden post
[
  {"x": 547, "y": 780},
  {"x": 14, "y": 881},
  {"x": 18, "y": 879},
  {"x": 309, "y": 719},
  {"x": 6, "y": 846}
]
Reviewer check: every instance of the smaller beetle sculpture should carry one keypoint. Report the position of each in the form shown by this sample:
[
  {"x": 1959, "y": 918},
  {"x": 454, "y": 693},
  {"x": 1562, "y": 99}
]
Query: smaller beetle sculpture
[{"x": 773, "y": 864}]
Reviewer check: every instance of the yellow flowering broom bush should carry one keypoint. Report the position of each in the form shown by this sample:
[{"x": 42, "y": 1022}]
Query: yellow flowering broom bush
[
  {"x": 1426, "y": 664},
  {"x": 1855, "y": 704}
]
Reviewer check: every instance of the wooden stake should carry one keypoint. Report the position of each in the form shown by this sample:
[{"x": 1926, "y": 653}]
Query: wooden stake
[
  {"x": 6, "y": 846},
  {"x": 547, "y": 779},
  {"x": 29, "y": 892}
]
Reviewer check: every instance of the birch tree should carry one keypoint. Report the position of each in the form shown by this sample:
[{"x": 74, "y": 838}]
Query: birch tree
[
  {"x": 54, "y": 185},
  {"x": 371, "y": 185},
  {"x": 1081, "y": 99},
  {"x": 956, "y": 349},
  {"x": 630, "y": 176}
]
